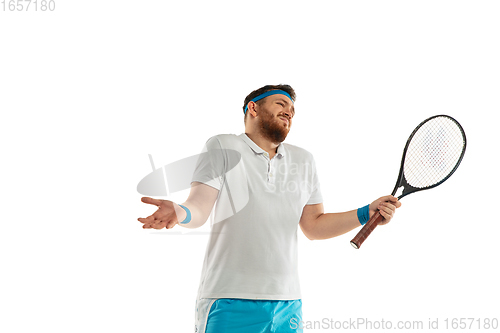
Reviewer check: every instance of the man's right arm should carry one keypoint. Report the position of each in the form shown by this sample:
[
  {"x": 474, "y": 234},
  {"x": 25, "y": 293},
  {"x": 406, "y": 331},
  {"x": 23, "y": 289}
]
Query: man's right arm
[{"x": 200, "y": 202}]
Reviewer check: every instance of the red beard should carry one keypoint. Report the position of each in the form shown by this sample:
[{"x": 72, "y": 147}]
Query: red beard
[{"x": 273, "y": 128}]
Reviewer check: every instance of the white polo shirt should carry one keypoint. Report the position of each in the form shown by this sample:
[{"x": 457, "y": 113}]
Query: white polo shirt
[{"x": 252, "y": 249}]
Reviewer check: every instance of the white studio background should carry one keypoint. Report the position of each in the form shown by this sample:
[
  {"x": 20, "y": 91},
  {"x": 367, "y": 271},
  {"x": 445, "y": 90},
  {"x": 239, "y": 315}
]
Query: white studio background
[{"x": 90, "y": 89}]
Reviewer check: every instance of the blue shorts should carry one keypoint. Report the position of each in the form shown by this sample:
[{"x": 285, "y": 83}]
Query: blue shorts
[{"x": 232, "y": 315}]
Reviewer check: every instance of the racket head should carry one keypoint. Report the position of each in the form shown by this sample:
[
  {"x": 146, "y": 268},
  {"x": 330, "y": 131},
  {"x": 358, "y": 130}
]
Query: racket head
[{"x": 432, "y": 154}]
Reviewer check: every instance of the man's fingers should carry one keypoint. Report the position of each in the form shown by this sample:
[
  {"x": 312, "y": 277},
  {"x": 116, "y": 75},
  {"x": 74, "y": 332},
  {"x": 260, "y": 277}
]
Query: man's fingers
[
  {"x": 391, "y": 198},
  {"x": 144, "y": 220},
  {"x": 171, "y": 224},
  {"x": 151, "y": 223},
  {"x": 159, "y": 225},
  {"x": 151, "y": 201},
  {"x": 394, "y": 200},
  {"x": 386, "y": 211},
  {"x": 387, "y": 205},
  {"x": 149, "y": 219},
  {"x": 156, "y": 224}
]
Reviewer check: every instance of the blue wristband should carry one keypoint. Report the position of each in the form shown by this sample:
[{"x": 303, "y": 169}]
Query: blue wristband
[
  {"x": 364, "y": 214},
  {"x": 188, "y": 216}
]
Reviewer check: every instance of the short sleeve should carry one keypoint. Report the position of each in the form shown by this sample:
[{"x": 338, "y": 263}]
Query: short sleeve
[
  {"x": 315, "y": 197},
  {"x": 209, "y": 168}
]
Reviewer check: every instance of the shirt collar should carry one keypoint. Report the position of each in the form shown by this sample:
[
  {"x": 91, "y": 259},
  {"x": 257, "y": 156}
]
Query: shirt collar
[{"x": 280, "y": 151}]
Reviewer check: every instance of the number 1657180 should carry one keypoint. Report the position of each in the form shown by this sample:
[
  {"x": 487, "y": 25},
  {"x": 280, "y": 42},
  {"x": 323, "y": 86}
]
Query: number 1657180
[{"x": 28, "y": 5}]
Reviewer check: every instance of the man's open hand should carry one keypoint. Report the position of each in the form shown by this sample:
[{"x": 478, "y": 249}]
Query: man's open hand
[{"x": 165, "y": 217}]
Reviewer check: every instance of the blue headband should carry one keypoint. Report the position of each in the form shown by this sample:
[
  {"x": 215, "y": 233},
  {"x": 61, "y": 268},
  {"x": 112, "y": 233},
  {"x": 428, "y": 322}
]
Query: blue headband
[{"x": 268, "y": 93}]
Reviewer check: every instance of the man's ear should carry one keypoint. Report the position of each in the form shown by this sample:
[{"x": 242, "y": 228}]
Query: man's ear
[{"x": 252, "y": 108}]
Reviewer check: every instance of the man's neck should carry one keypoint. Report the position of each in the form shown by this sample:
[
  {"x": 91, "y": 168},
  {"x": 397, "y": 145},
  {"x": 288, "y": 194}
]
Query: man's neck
[{"x": 265, "y": 144}]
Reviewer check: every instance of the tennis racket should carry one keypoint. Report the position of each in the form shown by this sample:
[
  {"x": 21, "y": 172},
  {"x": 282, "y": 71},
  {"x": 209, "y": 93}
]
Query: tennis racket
[{"x": 432, "y": 154}]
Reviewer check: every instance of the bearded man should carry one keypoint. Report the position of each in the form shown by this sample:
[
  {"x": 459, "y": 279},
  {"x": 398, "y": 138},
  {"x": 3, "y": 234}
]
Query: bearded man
[{"x": 264, "y": 189}]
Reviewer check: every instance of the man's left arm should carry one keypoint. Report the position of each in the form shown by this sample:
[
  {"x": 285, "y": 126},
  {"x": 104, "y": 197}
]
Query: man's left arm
[{"x": 316, "y": 224}]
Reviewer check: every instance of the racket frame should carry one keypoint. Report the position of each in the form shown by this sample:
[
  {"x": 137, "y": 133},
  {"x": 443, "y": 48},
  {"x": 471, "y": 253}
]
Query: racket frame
[{"x": 402, "y": 182}]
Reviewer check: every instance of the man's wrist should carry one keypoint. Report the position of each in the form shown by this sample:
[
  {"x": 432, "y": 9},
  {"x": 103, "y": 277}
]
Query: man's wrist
[
  {"x": 363, "y": 214},
  {"x": 187, "y": 216}
]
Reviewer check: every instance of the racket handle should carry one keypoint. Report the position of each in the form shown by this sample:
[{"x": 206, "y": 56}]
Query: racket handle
[{"x": 366, "y": 230}]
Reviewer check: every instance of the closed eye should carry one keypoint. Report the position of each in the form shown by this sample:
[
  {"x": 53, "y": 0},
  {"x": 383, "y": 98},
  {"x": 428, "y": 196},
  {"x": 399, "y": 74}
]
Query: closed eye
[{"x": 284, "y": 104}]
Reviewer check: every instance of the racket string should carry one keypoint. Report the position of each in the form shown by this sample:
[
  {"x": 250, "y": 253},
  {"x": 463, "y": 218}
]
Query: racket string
[{"x": 433, "y": 152}]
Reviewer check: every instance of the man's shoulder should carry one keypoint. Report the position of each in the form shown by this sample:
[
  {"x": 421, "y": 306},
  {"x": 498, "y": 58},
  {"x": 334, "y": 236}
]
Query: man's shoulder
[
  {"x": 223, "y": 138},
  {"x": 298, "y": 151},
  {"x": 223, "y": 141}
]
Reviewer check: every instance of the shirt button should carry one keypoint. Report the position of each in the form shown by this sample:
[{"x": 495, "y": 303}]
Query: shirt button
[{"x": 270, "y": 175}]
